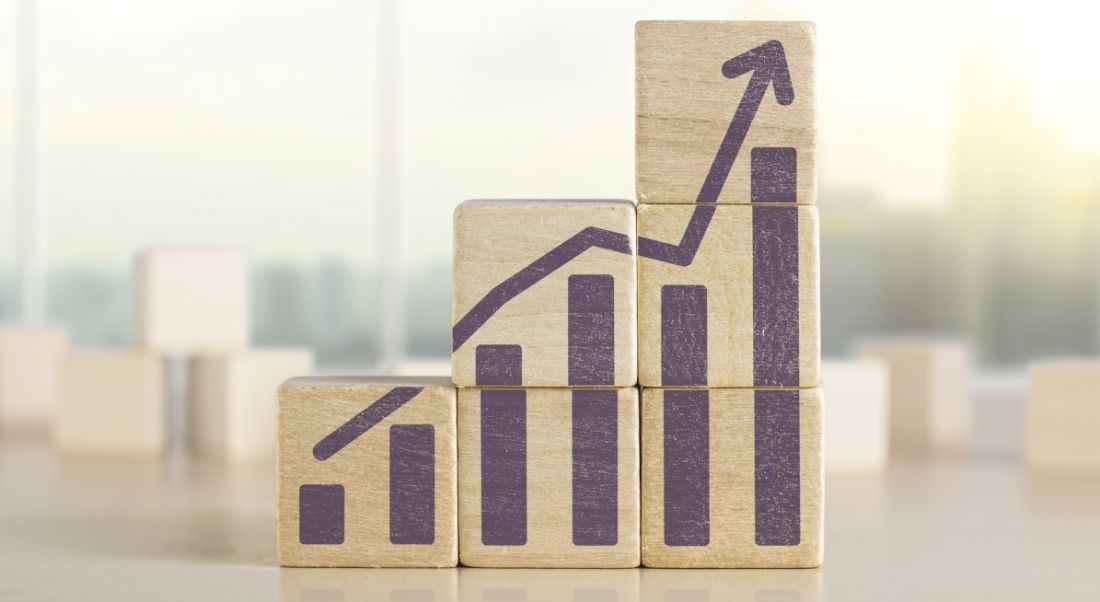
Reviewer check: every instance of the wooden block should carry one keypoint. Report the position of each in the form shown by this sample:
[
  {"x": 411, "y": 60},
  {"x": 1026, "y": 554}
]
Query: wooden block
[
  {"x": 233, "y": 406},
  {"x": 394, "y": 585},
  {"x": 763, "y": 585},
  {"x": 367, "y": 472},
  {"x": 533, "y": 585},
  {"x": 725, "y": 112},
  {"x": 548, "y": 477},
  {"x": 732, "y": 478},
  {"x": 552, "y": 281},
  {"x": 857, "y": 433},
  {"x": 111, "y": 403},
  {"x": 929, "y": 405},
  {"x": 191, "y": 301},
  {"x": 1062, "y": 417},
  {"x": 30, "y": 361},
  {"x": 736, "y": 304}
]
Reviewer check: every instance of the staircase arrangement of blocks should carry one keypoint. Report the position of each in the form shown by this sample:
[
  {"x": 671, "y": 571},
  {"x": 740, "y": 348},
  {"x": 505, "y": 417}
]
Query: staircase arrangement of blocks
[{"x": 631, "y": 384}]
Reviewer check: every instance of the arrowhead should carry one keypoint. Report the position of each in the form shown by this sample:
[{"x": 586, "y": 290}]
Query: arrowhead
[{"x": 771, "y": 61}]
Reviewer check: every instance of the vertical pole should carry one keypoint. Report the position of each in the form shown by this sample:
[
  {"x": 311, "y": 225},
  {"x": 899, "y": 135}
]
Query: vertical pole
[
  {"x": 28, "y": 177},
  {"x": 392, "y": 324}
]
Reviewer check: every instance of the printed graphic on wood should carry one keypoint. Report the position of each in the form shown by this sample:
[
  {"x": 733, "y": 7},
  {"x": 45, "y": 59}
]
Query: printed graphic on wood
[
  {"x": 732, "y": 478},
  {"x": 367, "y": 472},
  {"x": 725, "y": 112},
  {"x": 548, "y": 477},
  {"x": 745, "y": 312},
  {"x": 555, "y": 282}
]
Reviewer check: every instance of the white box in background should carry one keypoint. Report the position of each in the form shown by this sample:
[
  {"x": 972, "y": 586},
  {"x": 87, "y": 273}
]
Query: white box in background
[
  {"x": 1062, "y": 417},
  {"x": 929, "y": 403},
  {"x": 857, "y": 415},
  {"x": 191, "y": 301},
  {"x": 112, "y": 403},
  {"x": 234, "y": 405},
  {"x": 30, "y": 361}
]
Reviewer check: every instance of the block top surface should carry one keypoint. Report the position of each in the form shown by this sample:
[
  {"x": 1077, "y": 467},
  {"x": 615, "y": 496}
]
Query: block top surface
[
  {"x": 369, "y": 381},
  {"x": 725, "y": 112}
]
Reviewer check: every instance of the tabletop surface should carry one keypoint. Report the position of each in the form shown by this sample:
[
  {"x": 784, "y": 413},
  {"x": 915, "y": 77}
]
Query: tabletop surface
[{"x": 970, "y": 528}]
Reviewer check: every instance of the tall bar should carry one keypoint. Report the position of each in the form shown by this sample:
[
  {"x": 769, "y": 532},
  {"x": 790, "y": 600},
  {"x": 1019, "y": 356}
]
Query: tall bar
[
  {"x": 591, "y": 329},
  {"x": 595, "y": 467},
  {"x": 412, "y": 484},
  {"x": 778, "y": 501},
  {"x": 503, "y": 446},
  {"x": 687, "y": 467},
  {"x": 775, "y": 296},
  {"x": 684, "y": 336}
]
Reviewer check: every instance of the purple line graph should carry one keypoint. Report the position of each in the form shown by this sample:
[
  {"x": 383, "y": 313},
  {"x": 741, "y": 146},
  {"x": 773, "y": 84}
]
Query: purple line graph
[{"x": 412, "y": 477}]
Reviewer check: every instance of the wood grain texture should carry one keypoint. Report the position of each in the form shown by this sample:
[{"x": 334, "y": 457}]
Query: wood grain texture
[
  {"x": 732, "y": 525},
  {"x": 233, "y": 411},
  {"x": 310, "y": 410},
  {"x": 111, "y": 403},
  {"x": 494, "y": 241},
  {"x": 30, "y": 366},
  {"x": 857, "y": 433},
  {"x": 735, "y": 330},
  {"x": 929, "y": 404},
  {"x": 191, "y": 300},
  {"x": 1062, "y": 418},
  {"x": 547, "y": 518},
  {"x": 685, "y": 104}
]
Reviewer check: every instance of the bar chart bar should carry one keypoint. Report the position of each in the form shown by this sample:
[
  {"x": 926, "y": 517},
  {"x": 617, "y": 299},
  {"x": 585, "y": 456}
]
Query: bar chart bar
[
  {"x": 591, "y": 329},
  {"x": 595, "y": 467},
  {"x": 321, "y": 514},
  {"x": 503, "y": 446},
  {"x": 775, "y": 296},
  {"x": 778, "y": 502},
  {"x": 687, "y": 468},
  {"x": 684, "y": 336},
  {"x": 774, "y": 175},
  {"x": 412, "y": 484}
]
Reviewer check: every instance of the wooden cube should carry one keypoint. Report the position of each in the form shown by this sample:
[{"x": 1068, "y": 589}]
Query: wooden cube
[
  {"x": 548, "y": 477},
  {"x": 111, "y": 403},
  {"x": 552, "y": 281},
  {"x": 233, "y": 405},
  {"x": 762, "y": 585},
  {"x": 731, "y": 478},
  {"x": 857, "y": 433},
  {"x": 393, "y": 585},
  {"x": 367, "y": 472},
  {"x": 533, "y": 585},
  {"x": 929, "y": 404},
  {"x": 30, "y": 362},
  {"x": 736, "y": 303},
  {"x": 1062, "y": 417},
  {"x": 191, "y": 301},
  {"x": 725, "y": 112}
]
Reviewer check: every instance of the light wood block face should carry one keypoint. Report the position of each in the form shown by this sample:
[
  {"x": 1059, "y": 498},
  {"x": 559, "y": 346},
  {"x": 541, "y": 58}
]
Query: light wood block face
[
  {"x": 548, "y": 477},
  {"x": 556, "y": 281},
  {"x": 233, "y": 405},
  {"x": 191, "y": 301},
  {"x": 111, "y": 404},
  {"x": 367, "y": 472},
  {"x": 30, "y": 363},
  {"x": 1062, "y": 417},
  {"x": 929, "y": 405},
  {"x": 857, "y": 433},
  {"x": 725, "y": 112},
  {"x": 732, "y": 478},
  {"x": 745, "y": 309}
]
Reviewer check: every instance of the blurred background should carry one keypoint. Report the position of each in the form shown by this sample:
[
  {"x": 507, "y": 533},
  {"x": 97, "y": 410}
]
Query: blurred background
[{"x": 959, "y": 150}]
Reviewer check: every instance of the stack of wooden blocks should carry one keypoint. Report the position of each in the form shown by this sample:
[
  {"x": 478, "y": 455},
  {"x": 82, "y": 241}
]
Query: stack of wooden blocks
[{"x": 537, "y": 452}]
